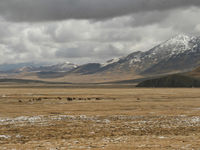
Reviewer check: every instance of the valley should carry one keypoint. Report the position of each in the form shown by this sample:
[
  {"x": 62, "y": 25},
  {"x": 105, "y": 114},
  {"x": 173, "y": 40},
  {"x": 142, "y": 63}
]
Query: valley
[{"x": 99, "y": 75}]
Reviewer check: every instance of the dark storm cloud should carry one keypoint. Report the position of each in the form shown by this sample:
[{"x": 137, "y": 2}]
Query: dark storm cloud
[{"x": 51, "y": 10}]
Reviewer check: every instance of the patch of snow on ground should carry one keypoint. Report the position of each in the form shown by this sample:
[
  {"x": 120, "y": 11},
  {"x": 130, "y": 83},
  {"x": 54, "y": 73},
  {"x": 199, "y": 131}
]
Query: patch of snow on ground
[
  {"x": 5, "y": 136},
  {"x": 165, "y": 121}
]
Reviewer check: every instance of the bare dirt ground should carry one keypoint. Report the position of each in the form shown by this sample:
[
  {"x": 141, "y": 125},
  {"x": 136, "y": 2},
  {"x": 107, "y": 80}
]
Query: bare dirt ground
[{"x": 99, "y": 118}]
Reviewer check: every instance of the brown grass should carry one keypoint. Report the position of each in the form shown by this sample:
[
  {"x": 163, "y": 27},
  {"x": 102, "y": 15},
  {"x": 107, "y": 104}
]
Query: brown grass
[{"x": 123, "y": 118}]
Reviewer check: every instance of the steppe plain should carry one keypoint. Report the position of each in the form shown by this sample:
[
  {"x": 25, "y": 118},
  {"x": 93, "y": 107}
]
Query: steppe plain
[{"x": 110, "y": 117}]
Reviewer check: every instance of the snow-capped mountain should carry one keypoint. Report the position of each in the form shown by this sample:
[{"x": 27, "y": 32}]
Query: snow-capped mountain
[
  {"x": 178, "y": 54},
  {"x": 61, "y": 67},
  {"x": 181, "y": 53},
  {"x": 114, "y": 60}
]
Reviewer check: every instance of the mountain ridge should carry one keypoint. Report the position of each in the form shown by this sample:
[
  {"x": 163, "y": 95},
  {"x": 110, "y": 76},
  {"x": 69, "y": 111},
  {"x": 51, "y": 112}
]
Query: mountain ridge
[
  {"x": 164, "y": 55},
  {"x": 180, "y": 53}
]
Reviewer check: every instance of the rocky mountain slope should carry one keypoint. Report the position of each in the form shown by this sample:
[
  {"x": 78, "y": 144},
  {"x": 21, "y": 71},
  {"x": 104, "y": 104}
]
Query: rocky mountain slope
[{"x": 179, "y": 54}]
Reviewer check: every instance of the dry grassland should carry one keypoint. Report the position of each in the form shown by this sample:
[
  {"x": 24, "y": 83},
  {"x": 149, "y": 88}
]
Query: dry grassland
[{"x": 99, "y": 118}]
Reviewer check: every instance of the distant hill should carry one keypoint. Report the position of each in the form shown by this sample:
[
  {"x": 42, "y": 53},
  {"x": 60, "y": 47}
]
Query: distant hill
[
  {"x": 87, "y": 68},
  {"x": 176, "y": 80},
  {"x": 62, "y": 67},
  {"x": 24, "y": 81},
  {"x": 195, "y": 73},
  {"x": 30, "y": 67}
]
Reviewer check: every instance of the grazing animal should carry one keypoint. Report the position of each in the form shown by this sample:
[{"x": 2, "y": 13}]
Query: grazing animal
[
  {"x": 39, "y": 99},
  {"x": 59, "y": 98},
  {"x": 69, "y": 98},
  {"x": 20, "y": 101}
]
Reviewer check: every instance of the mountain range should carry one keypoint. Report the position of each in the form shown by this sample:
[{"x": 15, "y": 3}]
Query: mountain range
[{"x": 176, "y": 55}]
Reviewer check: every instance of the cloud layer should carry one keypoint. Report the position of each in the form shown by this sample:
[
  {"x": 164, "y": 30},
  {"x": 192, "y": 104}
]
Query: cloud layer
[{"x": 84, "y": 31}]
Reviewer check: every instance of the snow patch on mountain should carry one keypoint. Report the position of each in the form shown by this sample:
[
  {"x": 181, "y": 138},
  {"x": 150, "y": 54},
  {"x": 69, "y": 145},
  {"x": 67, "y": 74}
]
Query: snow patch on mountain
[
  {"x": 114, "y": 60},
  {"x": 61, "y": 67},
  {"x": 169, "y": 50},
  {"x": 176, "y": 45},
  {"x": 66, "y": 65}
]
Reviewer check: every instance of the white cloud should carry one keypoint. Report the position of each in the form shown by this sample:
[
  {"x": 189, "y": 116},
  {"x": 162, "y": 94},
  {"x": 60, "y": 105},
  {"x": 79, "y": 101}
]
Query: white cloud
[{"x": 82, "y": 41}]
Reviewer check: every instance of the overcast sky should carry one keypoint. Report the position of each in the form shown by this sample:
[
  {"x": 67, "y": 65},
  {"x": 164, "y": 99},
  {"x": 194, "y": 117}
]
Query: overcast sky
[{"x": 84, "y": 31}]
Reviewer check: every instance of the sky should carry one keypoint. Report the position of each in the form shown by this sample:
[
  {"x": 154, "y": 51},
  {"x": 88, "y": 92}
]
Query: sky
[{"x": 83, "y": 31}]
